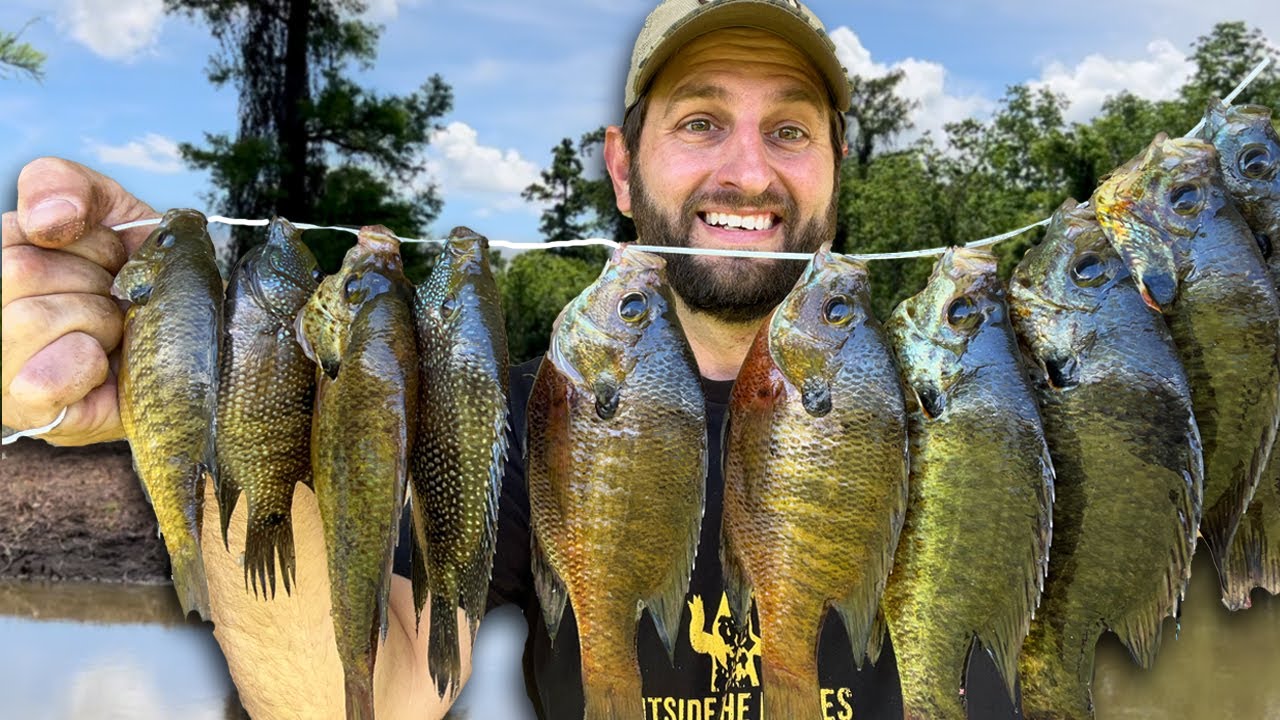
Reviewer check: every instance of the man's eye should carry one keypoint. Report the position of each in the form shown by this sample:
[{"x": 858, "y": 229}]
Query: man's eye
[
  {"x": 699, "y": 126},
  {"x": 790, "y": 133}
]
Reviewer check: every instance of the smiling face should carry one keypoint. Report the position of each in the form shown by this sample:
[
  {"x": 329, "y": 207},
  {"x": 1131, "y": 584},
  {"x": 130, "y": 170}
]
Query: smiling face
[{"x": 735, "y": 152}]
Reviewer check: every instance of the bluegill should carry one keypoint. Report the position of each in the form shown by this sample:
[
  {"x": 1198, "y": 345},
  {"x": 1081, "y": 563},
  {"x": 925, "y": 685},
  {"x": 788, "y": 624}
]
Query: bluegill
[
  {"x": 1116, "y": 407},
  {"x": 616, "y": 466},
  {"x": 1169, "y": 215},
  {"x": 974, "y": 548},
  {"x": 265, "y": 396},
  {"x": 168, "y": 384},
  {"x": 358, "y": 327},
  {"x": 815, "y": 478},
  {"x": 457, "y": 460},
  {"x": 1248, "y": 153}
]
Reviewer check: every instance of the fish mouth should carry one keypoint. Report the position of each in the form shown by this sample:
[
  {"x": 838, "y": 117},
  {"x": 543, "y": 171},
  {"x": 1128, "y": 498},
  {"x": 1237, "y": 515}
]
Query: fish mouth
[
  {"x": 1061, "y": 372},
  {"x": 932, "y": 402},
  {"x": 816, "y": 397},
  {"x": 607, "y": 393}
]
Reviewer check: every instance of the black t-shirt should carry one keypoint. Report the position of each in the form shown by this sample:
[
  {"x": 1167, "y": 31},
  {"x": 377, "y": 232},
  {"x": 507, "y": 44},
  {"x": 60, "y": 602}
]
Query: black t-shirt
[{"x": 716, "y": 675}]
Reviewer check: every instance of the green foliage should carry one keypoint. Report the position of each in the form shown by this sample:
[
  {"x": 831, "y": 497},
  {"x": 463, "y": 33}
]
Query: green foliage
[
  {"x": 311, "y": 143},
  {"x": 19, "y": 58},
  {"x": 562, "y": 187},
  {"x": 535, "y": 287}
]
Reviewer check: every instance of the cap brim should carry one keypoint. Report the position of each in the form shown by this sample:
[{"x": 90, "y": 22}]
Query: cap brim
[{"x": 761, "y": 14}]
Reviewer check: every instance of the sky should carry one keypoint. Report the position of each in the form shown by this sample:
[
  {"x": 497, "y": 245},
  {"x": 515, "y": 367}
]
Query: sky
[{"x": 124, "y": 83}]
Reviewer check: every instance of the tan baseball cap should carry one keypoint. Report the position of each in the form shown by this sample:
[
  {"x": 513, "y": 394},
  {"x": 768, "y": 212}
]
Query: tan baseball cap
[{"x": 675, "y": 22}]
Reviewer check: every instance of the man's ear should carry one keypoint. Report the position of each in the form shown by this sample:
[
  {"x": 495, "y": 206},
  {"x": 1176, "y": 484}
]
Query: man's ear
[{"x": 618, "y": 162}]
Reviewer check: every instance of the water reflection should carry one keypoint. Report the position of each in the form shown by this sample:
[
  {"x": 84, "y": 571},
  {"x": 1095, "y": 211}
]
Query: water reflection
[{"x": 71, "y": 651}]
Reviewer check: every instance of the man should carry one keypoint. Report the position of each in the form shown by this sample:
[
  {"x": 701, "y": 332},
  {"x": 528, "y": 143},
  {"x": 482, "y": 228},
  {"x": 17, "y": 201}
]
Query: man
[{"x": 732, "y": 138}]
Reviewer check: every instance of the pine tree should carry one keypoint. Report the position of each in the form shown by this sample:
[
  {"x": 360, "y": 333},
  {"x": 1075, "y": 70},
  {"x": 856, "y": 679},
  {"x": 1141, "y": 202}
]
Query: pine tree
[{"x": 312, "y": 145}]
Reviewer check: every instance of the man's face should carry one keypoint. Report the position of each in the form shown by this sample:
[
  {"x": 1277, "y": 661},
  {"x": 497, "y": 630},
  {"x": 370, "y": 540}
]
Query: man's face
[{"x": 735, "y": 153}]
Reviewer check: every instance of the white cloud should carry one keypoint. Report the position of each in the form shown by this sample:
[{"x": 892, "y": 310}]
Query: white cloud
[
  {"x": 492, "y": 176},
  {"x": 1095, "y": 78},
  {"x": 923, "y": 81},
  {"x": 114, "y": 29},
  {"x": 152, "y": 152}
]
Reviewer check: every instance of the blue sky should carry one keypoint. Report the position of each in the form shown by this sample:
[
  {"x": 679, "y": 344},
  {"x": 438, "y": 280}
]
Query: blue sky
[{"x": 124, "y": 83}]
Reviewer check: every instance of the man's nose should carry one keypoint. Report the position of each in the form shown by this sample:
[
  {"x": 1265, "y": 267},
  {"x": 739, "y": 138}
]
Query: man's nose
[{"x": 745, "y": 165}]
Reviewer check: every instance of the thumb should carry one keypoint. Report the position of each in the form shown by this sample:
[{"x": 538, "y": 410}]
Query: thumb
[{"x": 61, "y": 202}]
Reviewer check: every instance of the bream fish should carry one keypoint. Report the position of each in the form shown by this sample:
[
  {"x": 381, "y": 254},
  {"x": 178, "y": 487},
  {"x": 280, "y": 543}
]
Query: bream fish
[
  {"x": 457, "y": 459},
  {"x": 1248, "y": 152},
  {"x": 358, "y": 327},
  {"x": 168, "y": 384},
  {"x": 616, "y": 468},
  {"x": 265, "y": 397},
  {"x": 1168, "y": 213},
  {"x": 815, "y": 478},
  {"x": 1116, "y": 407},
  {"x": 974, "y": 548}
]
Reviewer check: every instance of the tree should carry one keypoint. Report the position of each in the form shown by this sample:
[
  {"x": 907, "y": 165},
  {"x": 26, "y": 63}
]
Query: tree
[
  {"x": 17, "y": 57},
  {"x": 562, "y": 187},
  {"x": 535, "y": 287},
  {"x": 876, "y": 114},
  {"x": 1223, "y": 58},
  {"x": 311, "y": 144}
]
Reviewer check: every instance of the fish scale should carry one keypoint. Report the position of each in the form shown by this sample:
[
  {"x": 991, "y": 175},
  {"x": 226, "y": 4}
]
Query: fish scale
[
  {"x": 1248, "y": 153},
  {"x": 457, "y": 459},
  {"x": 974, "y": 546},
  {"x": 266, "y": 395},
  {"x": 358, "y": 327},
  {"x": 168, "y": 384},
  {"x": 1126, "y": 454},
  {"x": 1168, "y": 214},
  {"x": 815, "y": 478},
  {"x": 616, "y": 471}
]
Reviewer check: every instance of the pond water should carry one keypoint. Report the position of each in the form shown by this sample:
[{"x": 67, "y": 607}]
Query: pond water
[{"x": 72, "y": 651}]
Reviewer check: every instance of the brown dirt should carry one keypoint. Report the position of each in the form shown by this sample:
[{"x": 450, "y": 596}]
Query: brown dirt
[{"x": 76, "y": 514}]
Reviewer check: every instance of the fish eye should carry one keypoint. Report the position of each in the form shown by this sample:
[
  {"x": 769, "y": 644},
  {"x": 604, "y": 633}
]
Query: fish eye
[
  {"x": 317, "y": 273},
  {"x": 449, "y": 307},
  {"x": 1089, "y": 271},
  {"x": 351, "y": 288},
  {"x": 633, "y": 306},
  {"x": 1255, "y": 161},
  {"x": 962, "y": 313},
  {"x": 837, "y": 310},
  {"x": 166, "y": 240},
  {"x": 1185, "y": 199}
]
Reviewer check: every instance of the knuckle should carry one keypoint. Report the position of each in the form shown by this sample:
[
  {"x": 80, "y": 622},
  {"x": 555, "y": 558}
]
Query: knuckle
[{"x": 22, "y": 264}]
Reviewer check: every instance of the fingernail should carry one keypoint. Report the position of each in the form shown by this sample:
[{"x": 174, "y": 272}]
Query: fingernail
[{"x": 50, "y": 214}]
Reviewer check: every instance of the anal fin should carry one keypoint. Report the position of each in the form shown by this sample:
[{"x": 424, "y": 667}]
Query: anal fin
[{"x": 552, "y": 594}]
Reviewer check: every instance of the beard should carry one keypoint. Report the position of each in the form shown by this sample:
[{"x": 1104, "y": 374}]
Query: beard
[{"x": 731, "y": 290}]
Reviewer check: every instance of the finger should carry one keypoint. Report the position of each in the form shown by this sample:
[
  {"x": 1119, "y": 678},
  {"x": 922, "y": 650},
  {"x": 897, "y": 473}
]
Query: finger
[
  {"x": 29, "y": 271},
  {"x": 60, "y": 200},
  {"x": 57, "y": 376},
  {"x": 98, "y": 245},
  {"x": 34, "y": 323}
]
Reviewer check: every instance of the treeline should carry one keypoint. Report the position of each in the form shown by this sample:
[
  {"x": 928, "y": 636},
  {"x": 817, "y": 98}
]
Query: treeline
[
  {"x": 312, "y": 144},
  {"x": 981, "y": 178}
]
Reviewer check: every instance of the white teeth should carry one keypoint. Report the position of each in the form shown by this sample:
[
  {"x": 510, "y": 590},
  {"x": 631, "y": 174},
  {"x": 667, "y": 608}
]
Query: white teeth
[{"x": 744, "y": 222}]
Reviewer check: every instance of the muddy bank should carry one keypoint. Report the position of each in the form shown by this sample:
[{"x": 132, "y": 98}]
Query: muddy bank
[{"x": 76, "y": 514}]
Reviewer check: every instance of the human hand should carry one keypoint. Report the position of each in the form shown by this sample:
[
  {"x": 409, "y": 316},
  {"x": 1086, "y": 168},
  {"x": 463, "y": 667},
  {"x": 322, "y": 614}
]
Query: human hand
[{"x": 61, "y": 328}]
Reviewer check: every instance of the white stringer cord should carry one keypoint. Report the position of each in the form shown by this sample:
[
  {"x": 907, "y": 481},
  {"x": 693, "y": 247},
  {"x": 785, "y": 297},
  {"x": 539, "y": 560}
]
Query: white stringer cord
[{"x": 867, "y": 257}]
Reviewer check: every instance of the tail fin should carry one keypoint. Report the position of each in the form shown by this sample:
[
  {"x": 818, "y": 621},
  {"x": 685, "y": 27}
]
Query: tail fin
[
  {"x": 442, "y": 654},
  {"x": 268, "y": 537},
  {"x": 188, "y": 577},
  {"x": 612, "y": 702},
  {"x": 359, "y": 697}
]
